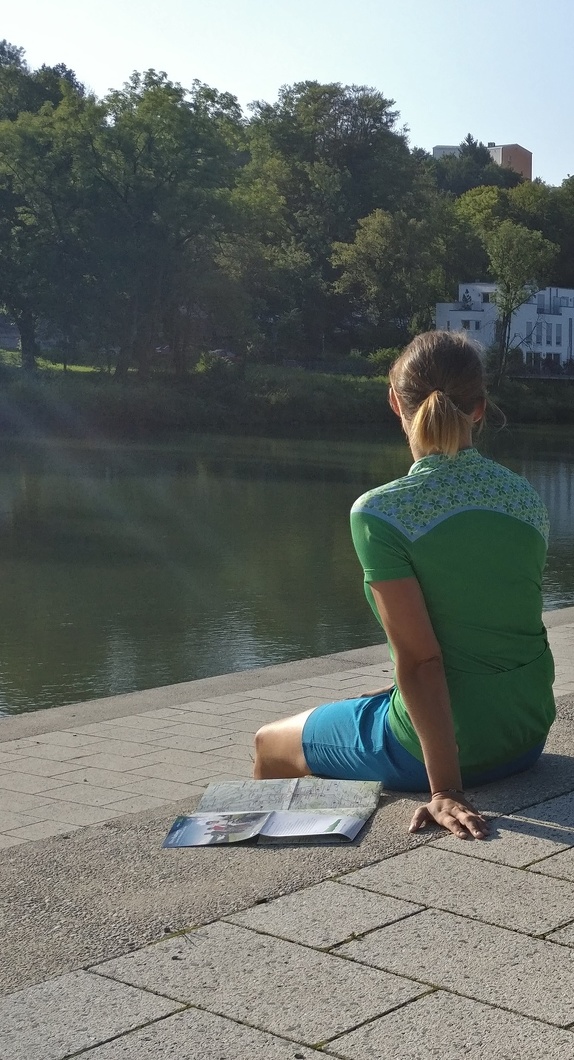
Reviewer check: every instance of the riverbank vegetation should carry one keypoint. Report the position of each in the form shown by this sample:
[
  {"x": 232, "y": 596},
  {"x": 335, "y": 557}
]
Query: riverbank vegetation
[
  {"x": 232, "y": 398},
  {"x": 141, "y": 231}
]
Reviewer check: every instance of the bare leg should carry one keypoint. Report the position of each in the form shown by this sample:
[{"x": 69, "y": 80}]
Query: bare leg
[{"x": 279, "y": 749}]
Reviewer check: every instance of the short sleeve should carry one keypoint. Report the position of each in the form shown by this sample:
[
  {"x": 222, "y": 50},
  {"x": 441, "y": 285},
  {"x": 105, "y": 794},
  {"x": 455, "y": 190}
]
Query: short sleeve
[{"x": 381, "y": 548}]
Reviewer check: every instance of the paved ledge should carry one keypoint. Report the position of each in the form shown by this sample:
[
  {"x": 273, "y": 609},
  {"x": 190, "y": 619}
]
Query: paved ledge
[{"x": 415, "y": 946}]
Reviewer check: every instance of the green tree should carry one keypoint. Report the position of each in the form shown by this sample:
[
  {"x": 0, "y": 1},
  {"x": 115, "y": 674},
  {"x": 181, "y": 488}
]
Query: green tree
[
  {"x": 483, "y": 207},
  {"x": 471, "y": 168},
  {"x": 562, "y": 229},
  {"x": 23, "y": 89},
  {"x": 392, "y": 272},
  {"x": 39, "y": 201},
  {"x": 161, "y": 170},
  {"x": 327, "y": 155},
  {"x": 520, "y": 260}
]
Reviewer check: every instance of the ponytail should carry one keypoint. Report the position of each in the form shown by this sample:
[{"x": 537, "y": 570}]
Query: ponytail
[{"x": 437, "y": 425}]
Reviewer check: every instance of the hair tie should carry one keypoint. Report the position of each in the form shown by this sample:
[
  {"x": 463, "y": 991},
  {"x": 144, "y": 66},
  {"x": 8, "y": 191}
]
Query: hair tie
[{"x": 439, "y": 390}]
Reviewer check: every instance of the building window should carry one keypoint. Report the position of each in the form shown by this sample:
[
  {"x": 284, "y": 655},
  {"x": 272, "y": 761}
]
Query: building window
[
  {"x": 549, "y": 334},
  {"x": 529, "y": 335},
  {"x": 563, "y": 301},
  {"x": 466, "y": 324},
  {"x": 477, "y": 325},
  {"x": 558, "y": 334},
  {"x": 539, "y": 334},
  {"x": 448, "y": 325},
  {"x": 485, "y": 296}
]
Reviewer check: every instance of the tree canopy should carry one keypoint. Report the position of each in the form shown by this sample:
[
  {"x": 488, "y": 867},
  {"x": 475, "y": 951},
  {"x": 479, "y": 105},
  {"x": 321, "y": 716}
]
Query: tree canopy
[{"x": 162, "y": 218}]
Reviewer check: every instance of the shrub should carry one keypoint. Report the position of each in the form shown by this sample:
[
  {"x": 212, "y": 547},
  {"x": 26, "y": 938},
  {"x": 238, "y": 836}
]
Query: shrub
[{"x": 380, "y": 361}]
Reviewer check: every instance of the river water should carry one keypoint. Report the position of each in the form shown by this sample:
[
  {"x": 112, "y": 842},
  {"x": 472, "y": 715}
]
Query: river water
[{"x": 129, "y": 567}]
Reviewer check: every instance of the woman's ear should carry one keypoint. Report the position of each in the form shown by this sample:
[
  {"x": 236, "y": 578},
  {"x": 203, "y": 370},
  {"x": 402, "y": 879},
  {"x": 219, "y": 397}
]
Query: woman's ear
[
  {"x": 393, "y": 402},
  {"x": 479, "y": 411}
]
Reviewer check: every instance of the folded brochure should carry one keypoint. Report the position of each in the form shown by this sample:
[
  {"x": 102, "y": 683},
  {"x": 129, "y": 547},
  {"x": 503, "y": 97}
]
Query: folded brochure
[{"x": 277, "y": 811}]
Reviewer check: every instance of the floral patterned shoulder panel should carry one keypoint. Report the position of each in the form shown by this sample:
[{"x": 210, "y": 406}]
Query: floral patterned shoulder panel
[{"x": 437, "y": 487}]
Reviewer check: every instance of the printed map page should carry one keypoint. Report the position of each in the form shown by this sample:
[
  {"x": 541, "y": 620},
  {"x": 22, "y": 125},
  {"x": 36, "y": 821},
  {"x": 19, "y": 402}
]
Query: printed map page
[{"x": 356, "y": 797}]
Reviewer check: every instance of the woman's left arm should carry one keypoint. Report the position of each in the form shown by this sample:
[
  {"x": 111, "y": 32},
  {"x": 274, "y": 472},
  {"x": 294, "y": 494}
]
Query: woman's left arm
[{"x": 421, "y": 679}]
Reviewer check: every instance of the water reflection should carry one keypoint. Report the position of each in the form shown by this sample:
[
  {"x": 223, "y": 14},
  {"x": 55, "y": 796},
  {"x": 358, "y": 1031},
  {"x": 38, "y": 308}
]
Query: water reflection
[{"x": 131, "y": 567}]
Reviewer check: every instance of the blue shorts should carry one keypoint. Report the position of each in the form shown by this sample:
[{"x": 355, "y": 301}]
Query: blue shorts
[{"x": 352, "y": 740}]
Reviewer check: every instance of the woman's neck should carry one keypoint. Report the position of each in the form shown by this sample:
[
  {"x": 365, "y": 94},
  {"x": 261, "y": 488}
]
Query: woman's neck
[{"x": 466, "y": 442}]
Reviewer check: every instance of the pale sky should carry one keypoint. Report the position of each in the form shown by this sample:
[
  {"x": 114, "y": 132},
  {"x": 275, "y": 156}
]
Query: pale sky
[{"x": 502, "y": 70}]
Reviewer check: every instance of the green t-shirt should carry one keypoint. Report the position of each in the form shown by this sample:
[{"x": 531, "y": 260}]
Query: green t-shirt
[{"x": 474, "y": 535}]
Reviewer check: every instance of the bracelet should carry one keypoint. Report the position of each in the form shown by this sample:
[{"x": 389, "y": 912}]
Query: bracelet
[{"x": 447, "y": 792}]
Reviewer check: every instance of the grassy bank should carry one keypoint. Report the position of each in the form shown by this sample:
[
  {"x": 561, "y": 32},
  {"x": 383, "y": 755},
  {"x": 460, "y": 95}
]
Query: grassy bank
[{"x": 228, "y": 397}]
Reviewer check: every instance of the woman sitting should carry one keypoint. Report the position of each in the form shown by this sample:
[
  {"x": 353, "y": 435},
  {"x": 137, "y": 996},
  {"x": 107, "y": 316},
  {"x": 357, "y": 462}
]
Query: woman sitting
[{"x": 453, "y": 555}]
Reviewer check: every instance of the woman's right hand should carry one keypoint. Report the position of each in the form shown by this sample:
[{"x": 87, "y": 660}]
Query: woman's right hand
[{"x": 454, "y": 813}]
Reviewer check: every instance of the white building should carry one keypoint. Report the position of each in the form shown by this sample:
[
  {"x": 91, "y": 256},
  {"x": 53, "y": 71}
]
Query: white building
[{"x": 542, "y": 328}]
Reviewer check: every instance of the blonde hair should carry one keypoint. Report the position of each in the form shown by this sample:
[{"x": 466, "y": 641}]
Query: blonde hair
[{"x": 439, "y": 380}]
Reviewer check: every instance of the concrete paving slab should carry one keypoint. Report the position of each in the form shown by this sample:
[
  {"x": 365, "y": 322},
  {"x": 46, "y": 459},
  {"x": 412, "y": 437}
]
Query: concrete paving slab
[
  {"x": 167, "y": 790},
  {"x": 21, "y": 802},
  {"x": 177, "y": 756},
  {"x": 120, "y": 747},
  {"x": 490, "y": 964},
  {"x": 451, "y": 1027},
  {"x": 28, "y": 784},
  {"x": 192, "y": 746},
  {"x": 14, "y": 820},
  {"x": 323, "y": 915},
  {"x": 235, "y": 697},
  {"x": 138, "y": 722},
  {"x": 253, "y": 719},
  {"x": 116, "y": 728},
  {"x": 495, "y": 894},
  {"x": 515, "y": 841},
  {"x": 41, "y": 767},
  {"x": 564, "y": 935},
  {"x": 55, "y": 753},
  {"x": 114, "y": 763},
  {"x": 202, "y": 1035},
  {"x": 558, "y": 811},
  {"x": 72, "y": 1012},
  {"x": 559, "y": 865},
  {"x": 192, "y": 731},
  {"x": 530, "y": 838},
  {"x": 202, "y": 711},
  {"x": 16, "y": 747},
  {"x": 243, "y": 753},
  {"x": 551, "y": 776},
  {"x": 280, "y": 694},
  {"x": 218, "y": 778},
  {"x": 43, "y": 830},
  {"x": 65, "y": 739},
  {"x": 206, "y": 766},
  {"x": 69, "y": 813},
  {"x": 91, "y": 795},
  {"x": 9, "y": 841},
  {"x": 136, "y": 803},
  {"x": 277, "y": 986},
  {"x": 99, "y": 777}
]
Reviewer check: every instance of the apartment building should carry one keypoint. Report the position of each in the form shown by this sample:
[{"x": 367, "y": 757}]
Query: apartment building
[
  {"x": 512, "y": 155},
  {"x": 542, "y": 327}
]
